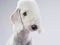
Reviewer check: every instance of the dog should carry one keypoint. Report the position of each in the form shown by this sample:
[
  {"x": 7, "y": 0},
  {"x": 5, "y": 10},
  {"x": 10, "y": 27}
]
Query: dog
[{"x": 26, "y": 22}]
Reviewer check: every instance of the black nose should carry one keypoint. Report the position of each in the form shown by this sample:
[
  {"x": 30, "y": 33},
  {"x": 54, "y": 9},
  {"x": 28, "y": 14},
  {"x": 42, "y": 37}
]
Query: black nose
[{"x": 34, "y": 27}]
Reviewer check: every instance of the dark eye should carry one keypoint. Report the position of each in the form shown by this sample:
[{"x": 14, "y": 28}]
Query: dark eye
[{"x": 25, "y": 13}]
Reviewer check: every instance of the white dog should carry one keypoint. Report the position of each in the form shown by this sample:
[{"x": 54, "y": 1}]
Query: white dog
[{"x": 26, "y": 21}]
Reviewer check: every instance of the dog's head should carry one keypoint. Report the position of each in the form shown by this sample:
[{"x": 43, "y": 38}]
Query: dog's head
[{"x": 26, "y": 14}]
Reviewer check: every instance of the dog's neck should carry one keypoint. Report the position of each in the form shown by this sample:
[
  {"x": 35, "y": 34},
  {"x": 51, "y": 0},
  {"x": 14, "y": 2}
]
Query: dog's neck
[{"x": 22, "y": 38}]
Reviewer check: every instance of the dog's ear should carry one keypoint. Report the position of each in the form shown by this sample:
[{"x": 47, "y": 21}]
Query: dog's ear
[{"x": 15, "y": 17}]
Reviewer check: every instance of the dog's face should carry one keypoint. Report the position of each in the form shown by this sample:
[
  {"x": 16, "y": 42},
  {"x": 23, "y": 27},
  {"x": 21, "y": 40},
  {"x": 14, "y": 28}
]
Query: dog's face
[{"x": 27, "y": 15}]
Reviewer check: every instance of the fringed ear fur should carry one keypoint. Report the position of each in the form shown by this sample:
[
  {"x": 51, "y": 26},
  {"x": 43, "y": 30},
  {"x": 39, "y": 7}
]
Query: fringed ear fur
[{"x": 15, "y": 17}]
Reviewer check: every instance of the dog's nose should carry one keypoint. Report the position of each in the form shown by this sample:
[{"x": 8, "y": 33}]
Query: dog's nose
[{"x": 34, "y": 27}]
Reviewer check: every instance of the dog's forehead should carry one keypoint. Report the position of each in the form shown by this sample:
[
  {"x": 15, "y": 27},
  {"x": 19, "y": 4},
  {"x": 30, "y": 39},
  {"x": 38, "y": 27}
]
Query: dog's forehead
[
  {"x": 24, "y": 3},
  {"x": 27, "y": 5},
  {"x": 30, "y": 7}
]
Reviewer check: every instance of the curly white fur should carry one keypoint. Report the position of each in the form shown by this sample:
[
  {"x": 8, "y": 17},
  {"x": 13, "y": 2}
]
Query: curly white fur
[{"x": 22, "y": 31}]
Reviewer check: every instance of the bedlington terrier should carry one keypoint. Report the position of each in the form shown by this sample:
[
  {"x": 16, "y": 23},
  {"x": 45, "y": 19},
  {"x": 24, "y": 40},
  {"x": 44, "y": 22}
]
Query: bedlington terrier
[{"x": 26, "y": 21}]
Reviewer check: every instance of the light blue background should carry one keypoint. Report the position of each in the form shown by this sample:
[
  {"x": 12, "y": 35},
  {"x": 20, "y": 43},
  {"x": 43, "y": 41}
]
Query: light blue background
[{"x": 50, "y": 13}]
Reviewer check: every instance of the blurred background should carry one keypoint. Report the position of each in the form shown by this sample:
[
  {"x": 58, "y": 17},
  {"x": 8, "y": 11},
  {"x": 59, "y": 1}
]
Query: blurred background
[{"x": 50, "y": 13}]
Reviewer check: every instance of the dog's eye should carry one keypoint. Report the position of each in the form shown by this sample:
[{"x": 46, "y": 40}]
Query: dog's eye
[{"x": 25, "y": 13}]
